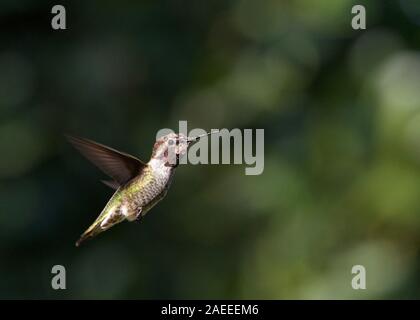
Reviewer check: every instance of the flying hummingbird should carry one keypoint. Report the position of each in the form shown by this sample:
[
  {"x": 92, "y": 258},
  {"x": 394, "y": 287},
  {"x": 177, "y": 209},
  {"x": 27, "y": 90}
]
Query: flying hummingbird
[{"x": 139, "y": 186}]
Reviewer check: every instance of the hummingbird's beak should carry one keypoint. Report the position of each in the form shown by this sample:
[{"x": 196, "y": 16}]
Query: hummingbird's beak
[{"x": 195, "y": 139}]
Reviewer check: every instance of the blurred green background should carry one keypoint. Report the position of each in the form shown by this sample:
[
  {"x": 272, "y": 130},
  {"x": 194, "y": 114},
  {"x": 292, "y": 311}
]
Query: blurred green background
[{"x": 341, "y": 113}]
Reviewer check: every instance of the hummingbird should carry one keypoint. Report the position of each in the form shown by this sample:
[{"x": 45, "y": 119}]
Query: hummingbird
[{"x": 138, "y": 186}]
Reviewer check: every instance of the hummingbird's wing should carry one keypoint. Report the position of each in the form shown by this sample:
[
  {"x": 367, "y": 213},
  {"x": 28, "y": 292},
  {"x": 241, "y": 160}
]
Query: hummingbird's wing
[
  {"x": 120, "y": 166},
  {"x": 111, "y": 183}
]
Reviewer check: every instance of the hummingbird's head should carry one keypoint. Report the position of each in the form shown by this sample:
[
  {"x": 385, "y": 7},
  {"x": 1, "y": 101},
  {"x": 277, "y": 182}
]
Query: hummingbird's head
[{"x": 171, "y": 147}]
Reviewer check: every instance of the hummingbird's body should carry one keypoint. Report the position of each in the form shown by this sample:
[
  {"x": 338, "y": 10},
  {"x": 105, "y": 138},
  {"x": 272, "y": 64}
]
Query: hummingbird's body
[
  {"x": 139, "y": 186},
  {"x": 133, "y": 200}
]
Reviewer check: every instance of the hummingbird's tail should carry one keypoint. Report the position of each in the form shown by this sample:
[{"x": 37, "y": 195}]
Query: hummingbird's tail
[
  {"x": 83, "y": 237},
  {"x": 100, "y": 225},
  {"x": 89, "y": 233}
]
